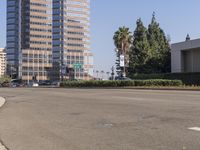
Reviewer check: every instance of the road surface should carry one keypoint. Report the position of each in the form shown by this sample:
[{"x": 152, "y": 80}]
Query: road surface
[{"x": 100, "y": 119}]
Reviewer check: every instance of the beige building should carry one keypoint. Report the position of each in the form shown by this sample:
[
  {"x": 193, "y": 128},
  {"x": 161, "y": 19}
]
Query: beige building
[
  {"x": 2, "y": 62},
  {"x": 185, "y": 56},
  {"x": 47, "y": 39},
  {"x": 71, "y": 38},
  {"x": 29, "y": 38}
]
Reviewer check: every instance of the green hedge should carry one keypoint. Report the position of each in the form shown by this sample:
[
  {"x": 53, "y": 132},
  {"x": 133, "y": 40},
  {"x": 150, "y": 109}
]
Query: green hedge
[
  {"x": 186, "y": 78},
  {"x": 156, "y": 82}
]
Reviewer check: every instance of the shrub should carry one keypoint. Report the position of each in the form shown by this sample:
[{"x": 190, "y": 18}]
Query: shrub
[
  {"x": 186, "y": 78},
  {"x": 156, "y": 82},
  {"x": 5, "y": 80}
]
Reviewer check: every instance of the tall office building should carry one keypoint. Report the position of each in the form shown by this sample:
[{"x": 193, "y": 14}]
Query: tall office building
[
  {"x": 2, "y": 62},
  {"x": 71, "y": 39},
  {"x": 29, "y": 38},
  {"x": 48, "y": 39}
]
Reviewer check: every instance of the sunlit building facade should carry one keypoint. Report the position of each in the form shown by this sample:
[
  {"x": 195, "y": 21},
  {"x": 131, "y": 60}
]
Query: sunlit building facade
[
  {"x": 2, "y": 62},
  {"x": 49, "y": 39},
  {"x": 29, "y": 38},
  {"x": 71, "y": 39}
]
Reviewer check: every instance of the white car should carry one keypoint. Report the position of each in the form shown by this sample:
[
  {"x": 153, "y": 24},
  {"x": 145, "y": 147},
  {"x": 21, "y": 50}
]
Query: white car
[{"x": 35, "y": 84}]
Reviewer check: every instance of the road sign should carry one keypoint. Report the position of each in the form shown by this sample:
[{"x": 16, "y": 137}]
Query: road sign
[
  {"x": 122, "y": 63},
  {"x": 77, "y": 65}
]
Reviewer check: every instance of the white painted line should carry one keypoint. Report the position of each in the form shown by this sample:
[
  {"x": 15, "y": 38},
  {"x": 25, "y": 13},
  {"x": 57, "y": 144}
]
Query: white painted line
[
  {"x": 2, "y": 102},
  {"x": 195, "y": 128},
  {"x": 2, "y": 147}
]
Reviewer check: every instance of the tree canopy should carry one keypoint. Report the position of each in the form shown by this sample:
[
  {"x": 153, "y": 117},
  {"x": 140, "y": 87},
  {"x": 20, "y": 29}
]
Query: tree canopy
[{"x": 148, "y": 52}]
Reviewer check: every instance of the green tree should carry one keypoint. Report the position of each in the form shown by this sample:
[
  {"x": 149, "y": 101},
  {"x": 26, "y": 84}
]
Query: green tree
[
  {"x": 139, "y": 53},
  {"x": 159, "y": 50},
  {"x": 122, "y": 40}
]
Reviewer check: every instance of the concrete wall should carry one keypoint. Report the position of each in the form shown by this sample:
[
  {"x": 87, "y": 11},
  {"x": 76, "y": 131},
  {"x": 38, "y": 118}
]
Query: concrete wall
[{"x": 185, "y": 56}]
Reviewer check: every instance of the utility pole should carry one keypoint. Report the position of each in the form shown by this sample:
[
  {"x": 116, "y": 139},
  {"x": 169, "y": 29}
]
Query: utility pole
[{"x": 113, "y": 73}]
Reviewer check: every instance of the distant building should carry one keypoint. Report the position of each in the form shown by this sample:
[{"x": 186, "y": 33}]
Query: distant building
[
  {"x": 49, "y": 38},
  {"x": 185, "y": 56},
  {"x": 2, "y": 62},
  {"x": 71, "y": 39},
  {"x": 29, "y": 39}
]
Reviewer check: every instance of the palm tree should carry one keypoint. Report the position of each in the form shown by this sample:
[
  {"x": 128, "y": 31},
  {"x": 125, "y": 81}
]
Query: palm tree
[
  {"x": 123, "y": 41},
  {"x": 102, "y": 73},
  {"x": 108, "y": 74},
  {"x": 97, "y": 72}
]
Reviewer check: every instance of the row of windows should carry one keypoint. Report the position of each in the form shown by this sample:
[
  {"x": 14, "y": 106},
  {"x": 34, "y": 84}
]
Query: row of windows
[
  {"x": 38, "y": 17},
  {"x": 75, "y": 39},
  {"x": 33, "y": 73},
  {"x": 79, "y": 33},
  {"x": 76, "y": 45},
  {"x": 39, "y": 4},
  {"x": 38, "y": 10},
  {"x": 36, "y": 56},
  {"x": 40, "y": 36},
  {"x": 75, "y": 27},
  {"x": 36, "y": 61},
  {"x": 40, "y": 30},
  {"x": 32, "y": 68},
  {"x": 37, "y": 48},
  {"x": 40, "y": 42},
  {"x": 40, "y": 23}
]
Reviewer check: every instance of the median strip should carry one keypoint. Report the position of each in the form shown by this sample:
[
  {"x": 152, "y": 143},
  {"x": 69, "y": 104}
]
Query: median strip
[{"x": 2, "y": 102}]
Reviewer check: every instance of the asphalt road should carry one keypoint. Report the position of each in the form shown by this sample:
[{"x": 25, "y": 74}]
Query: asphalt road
[{"x": 99, "y": 119}]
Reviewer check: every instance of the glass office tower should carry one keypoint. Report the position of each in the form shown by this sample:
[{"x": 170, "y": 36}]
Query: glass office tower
[
  {"x": 49, "y": 39},
  {"x": 29, "y": 38},
  {"x": 71, "y": 39}
]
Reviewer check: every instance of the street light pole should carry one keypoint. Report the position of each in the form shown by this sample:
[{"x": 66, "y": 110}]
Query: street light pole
[{"x": 124, "y": 67}]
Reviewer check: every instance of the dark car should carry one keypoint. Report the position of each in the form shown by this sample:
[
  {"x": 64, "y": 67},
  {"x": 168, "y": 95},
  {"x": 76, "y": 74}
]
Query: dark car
[
  {"x": 5, "y": 84},
  {"x": 17, "y": 83},
  {"x": 123, "y": 78},
  {"x": 45, "y": 83}
]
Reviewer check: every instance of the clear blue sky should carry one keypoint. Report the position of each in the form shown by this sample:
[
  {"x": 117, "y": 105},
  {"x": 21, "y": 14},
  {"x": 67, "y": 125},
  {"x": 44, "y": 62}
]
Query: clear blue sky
[{"x": 176, "y": 17}]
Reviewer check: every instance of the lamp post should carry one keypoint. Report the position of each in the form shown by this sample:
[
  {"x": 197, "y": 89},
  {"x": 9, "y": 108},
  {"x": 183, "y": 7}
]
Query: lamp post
[
  {"x": 113, "y": 73},
  {"x": 122, "y": 59}
]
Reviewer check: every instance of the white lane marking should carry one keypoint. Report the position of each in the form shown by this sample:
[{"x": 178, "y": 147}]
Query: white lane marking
[
  {"x": 2, "y": 147},
  {"x": 195, "y": 128},
  {"x": 2, "y": 102}
]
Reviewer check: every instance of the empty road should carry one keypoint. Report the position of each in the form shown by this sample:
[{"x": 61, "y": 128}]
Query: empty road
[{"x": 99, "y": 119}]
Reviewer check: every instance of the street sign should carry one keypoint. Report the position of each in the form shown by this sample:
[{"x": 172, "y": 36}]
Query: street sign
[
  {"x": 122, "y": 63},
  {"x": 77, "y": 65}
]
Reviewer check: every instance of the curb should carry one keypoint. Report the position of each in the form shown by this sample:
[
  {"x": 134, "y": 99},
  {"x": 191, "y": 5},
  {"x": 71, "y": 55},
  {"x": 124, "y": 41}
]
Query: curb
[
  {"x": 137, "y": 88},
  {"x": 2, "y": 102}
]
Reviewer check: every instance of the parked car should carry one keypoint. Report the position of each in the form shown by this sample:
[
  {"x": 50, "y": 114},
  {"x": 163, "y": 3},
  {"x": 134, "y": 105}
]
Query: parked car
[
  {"x": 123, "y": 78},
  {"x": 43, "y": 83},
  {"x": 55, "y": 83},
  {"x": 5, "y": 84},
  {"x": 17, "y": 83},
  {"x": 33, "y": 84}
]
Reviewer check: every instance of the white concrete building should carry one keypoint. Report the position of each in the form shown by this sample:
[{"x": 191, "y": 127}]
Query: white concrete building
[
  {"x": 185, "y": 56},
  {"x": 2, "y": 62}
]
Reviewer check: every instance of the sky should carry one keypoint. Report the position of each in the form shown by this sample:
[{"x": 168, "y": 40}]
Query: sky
[{"x": 176, "y": 17}]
